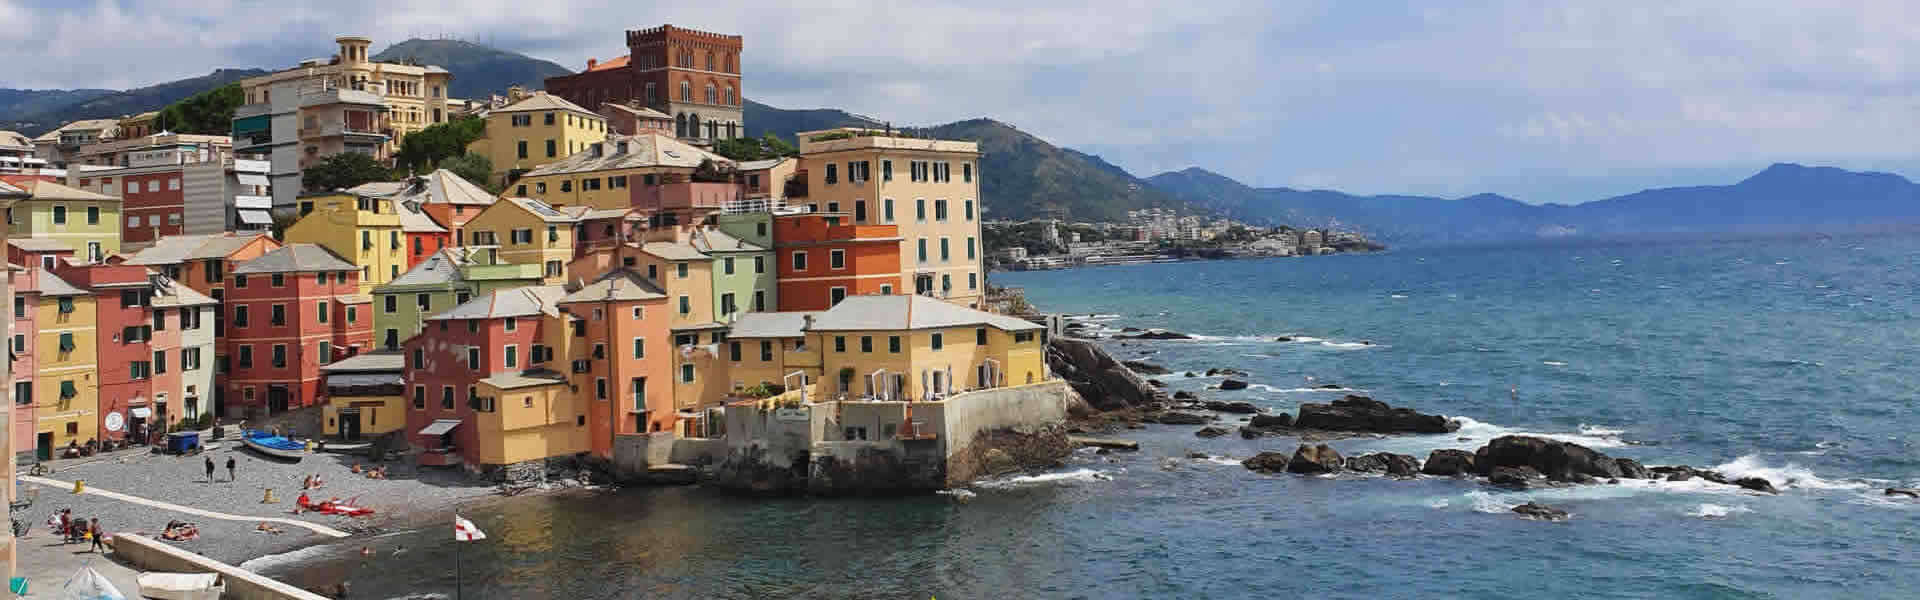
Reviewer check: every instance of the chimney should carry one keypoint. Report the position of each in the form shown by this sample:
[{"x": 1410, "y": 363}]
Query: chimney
[
  {"x": 591, "y": 63},
  {"x": 808, "y": 322}
]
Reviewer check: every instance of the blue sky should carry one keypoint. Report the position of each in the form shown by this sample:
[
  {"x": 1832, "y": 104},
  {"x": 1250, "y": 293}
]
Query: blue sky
[{"x": 1543, "y": 103}]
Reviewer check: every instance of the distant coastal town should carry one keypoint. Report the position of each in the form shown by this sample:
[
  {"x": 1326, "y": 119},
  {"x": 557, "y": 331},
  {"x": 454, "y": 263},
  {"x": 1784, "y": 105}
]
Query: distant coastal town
[{"x": 1153, "y": 235}]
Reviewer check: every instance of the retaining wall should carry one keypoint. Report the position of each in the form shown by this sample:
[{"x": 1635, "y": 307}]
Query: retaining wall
[{"x": 152, "y": 555}]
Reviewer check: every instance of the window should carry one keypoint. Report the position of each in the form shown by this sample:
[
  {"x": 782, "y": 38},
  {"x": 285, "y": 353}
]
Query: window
[
  {"x": 833, "y": 173},
  {"x": 940, "y": 210},
  {"x": 886, "y": 170},
  {"x": 279, "y": 316},
  {"x": 937, "y": 341},
  {"x": 419, "y": 358},
  {"x": 759, "y": 301},
  {"x": 419, "y": 397},
  {"x": 59, "y": 214},
  {"x": 555, "y": 268},
  {"x": 512, "y": 324},
  {"x": 686, "y": 373},
  {"x": 549, "y": 118},
  {"x": 279, "y": 280},
  {"x": 969, "y": 210},
  {"x": 766, "y": 351},
  {"x": 839, "y": 343},
  {"x": 733, "y": 351},
  {"x": 513, "y": 356},
  {"x": 893, "y": 344},
  {"x": 973, "y": 281},
  {"x": 553, "y": 233},
  {"x": 980, "y": 336},
  {"x": 727, "y": 306},
  {"x": 866, "y": 343},
  {"x": 799, "y": 261},
  {"x": 245, "y": 358},
  {"x": 686, "y": 305},
  {"x": 599, "y": 351},
  {"x": 759, "y": 265},
  {"x": 966, "y": 175},
  {"x": 835, "y": 295},
  {"x": 240, "y": 316},
  {"x": 552, "y": 151},
  {"x": 653, "y": 272},
  {"x": 945, "y": 255},
  {"x": 520, "y": 236},
  {"x": 946, "y": 282},
  {"x": 66, "y": 342},
  {"x": 600, "y": 388},
  {"x": 540, "y": 353},
  {"x": 279, "y": 356},
  {"x": 522, "y": 147},
  {"x": 726, "y": 265},
  {"x": 887, "y": 210},
  {"x": 837, "y": 259},
  {"x": 680, "y": 270},
  {"x": 923, "y": 249},
  {"x": 93, "y": 212},
  {"x": 326, "y": 352},
  {"x": 320, "y": 310},
  {"x": 446, "y": 397},
  {"x": 920, "y": 210},
  {"x": 473, "y": 358},
  {"x": 969, "y": 248},
  {"x": 139, "y": 369}
]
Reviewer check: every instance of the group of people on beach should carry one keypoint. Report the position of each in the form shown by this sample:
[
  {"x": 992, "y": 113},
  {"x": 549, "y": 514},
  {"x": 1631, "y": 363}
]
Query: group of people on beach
[
  {"x": 78, "y": 530},
  {"x": 379, "y": 472}
]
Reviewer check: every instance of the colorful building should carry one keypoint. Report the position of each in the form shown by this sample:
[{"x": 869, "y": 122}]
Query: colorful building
[
  {"x": 201, "y": 262},
  {"x": 742, "y": 272},
  {"x": 366, "y": 396},
  {"x": 447, "y": 200},
  {"x": 20, "y": 351},
  {"x": 484, "y": 387},
  {"x": 537, "y": 130},
  {"x": 290, "y": 312},
  {"x": 364, "y": 230},
  {"x": 633, "y": 118},
  {"x": 767, "y": 351},
  {"x": 527, "y": 231},
  {"x": 177, "y": 184},
  {"x": 822, "y": 260},
  {"x": 185, "y": 352},
  {"x": 446, "y": 279},
  {"x": 929, "y": 188},
  {"x": 627, "y": 171},
  {"x": 897, "y": 347},
  {"x": 87, "y": 222},
  {"x": 692, "y": 75},
  {"x": 65, "y": 391},
  {"x": 620, "y": 356},
  {"x": 132, "y": 359}
]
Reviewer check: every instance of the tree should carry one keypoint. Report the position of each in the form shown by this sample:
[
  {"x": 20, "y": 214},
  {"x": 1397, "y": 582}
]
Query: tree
[
  {"x": 745, "y": 149},
  {"x": 206, "y": 113},
  {"x": 473, "y": 167},
  {"x": 343, "y": 170},
  {"x": 711, "y": 171},
  {"x": 424, "y": 150}
]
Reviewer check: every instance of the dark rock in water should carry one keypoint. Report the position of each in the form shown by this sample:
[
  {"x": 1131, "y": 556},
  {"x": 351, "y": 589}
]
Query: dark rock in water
[
  {"x": 1155, "y": 334},
  {"x": 1559, "y": 461},
  {"x": 1632, "y": 469},
  {"x": 1449, "y": 462},
  {"x": 1360, "y": 413},
  {"x": 1683, "y": 473},
  {"x": 1103, "y": 451},
  {"x": 1328, "y": 386},
  {"x": 1191, "y": 374},
  {"x": 1315, "y": 459},
  {"x": 1182, "y": 418},
  {"x": 1100, "y": 380},
  {"x": 1268, "y": 462},
  {"x": 1252, "y": 433},
  {"x": 1198, "y": 455},
  {"x": 1518, "y": 478},
  {"x": 1908, "y": 492},
  {"x": 1283, "y": 339},
  {"x": 1677, "y": 476},
  {"x": 1541, "y": 512},
  {"x": 1758, "y": 484},
  {"x": 1272, "y": 421},
  {"x": 1233, "y": 384},
  {"x": 1156, "y": 383},
  {"x": 1397, "y": 465},
  {"x": 1242, "y": 408},
  {"x": 1213, "y": 372},
  {"x": 1129, "y": 329},
  {"x": 1211, "y": 432},
  {"x": 1183, "y": 395},
  {"x": 1145, "y": 368}
]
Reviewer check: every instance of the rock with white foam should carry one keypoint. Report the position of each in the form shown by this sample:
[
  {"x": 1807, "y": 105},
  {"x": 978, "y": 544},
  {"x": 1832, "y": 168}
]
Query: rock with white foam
[
  {"x": 1364, "y": 414},
  {"x": 1541, "y": 512},
  {"x": 1557, "y": 460},
  {"x": 1396, "y": 465},
  {"x": 1315, "y": 459}
]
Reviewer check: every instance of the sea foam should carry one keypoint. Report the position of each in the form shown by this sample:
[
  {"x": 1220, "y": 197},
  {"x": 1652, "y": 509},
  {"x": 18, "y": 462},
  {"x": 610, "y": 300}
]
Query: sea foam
[{"x": 1082, "y": 475}]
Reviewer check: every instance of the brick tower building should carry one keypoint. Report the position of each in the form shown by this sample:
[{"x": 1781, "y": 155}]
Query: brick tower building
[{"x": 693, "y": 76}]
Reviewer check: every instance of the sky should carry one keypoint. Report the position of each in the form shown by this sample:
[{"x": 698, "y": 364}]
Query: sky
[{"x": 1531, "y": 100}]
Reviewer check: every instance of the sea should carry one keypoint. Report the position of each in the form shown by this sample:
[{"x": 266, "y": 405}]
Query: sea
[{"x": 1789, "y": 358}]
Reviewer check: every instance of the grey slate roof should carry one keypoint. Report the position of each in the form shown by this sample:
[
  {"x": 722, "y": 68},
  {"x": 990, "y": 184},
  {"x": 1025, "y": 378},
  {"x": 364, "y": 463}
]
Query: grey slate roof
[
  {"x": 180, "y": 295},
  {"x": 38, "y": 244},
  {"x": 761, "y": 165},
  {"x": 439, "y": 187},
  {"x": 617, "y": 285},
  {"x": 530, "y": 378},
  {"x": 712, "y": 239},
  {"x": 674, "y": 251},
  {"x": 771, "y": 325},
  {"x": 542, "y": 101},
  {"x": 518, "y": 302},
  {"x": 883, "y": 313},
  {"x": 371, "y": 361},
  {"x": 588, "y": 213},
  {"x": 545, "y": 211},
  {"x": 647, "y": 149},
  {"x": 51, "y": 285},
  {"x": 295, "y": 258},
  {"x": 437, "y": 269},
  {"x": 181, "y": 248}
]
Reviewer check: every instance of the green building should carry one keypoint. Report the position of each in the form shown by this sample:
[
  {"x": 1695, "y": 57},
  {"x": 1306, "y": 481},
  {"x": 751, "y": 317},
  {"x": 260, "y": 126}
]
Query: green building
[
  {"x": 743, "y": 269},
  {"x": 445, "y": 279}
]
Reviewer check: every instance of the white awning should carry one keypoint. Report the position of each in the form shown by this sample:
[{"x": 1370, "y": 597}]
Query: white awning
[
  {"x": 440, "y": 427},
  {"x": 252, "y": 179},
  {"x": 140, "y": 412},
  {"x": 255, "y": 217},
  {"x": 260, "y": 202}
]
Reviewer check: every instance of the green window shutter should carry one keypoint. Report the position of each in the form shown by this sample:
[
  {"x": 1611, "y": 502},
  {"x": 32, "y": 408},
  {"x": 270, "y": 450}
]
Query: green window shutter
[
  {"x": 68, "y": 390},
  {"x": 66, "y": 306},
  {"x": 66, "y": 342}
]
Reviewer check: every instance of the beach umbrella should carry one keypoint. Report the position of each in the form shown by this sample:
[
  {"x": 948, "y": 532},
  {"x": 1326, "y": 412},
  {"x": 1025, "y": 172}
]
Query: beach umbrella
[{"x": 88, "y": 584}]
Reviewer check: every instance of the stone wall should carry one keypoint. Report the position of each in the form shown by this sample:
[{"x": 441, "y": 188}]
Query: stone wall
[{"x": 153, "y": 555}]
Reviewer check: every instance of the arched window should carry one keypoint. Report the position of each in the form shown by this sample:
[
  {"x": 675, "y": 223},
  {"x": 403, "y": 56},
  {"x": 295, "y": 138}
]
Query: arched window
[
  {"x": 730, "y": 67},
  {"x": 730, "y": 101},
  {"x": 680, "y": 125},
  {"x": 733, "y": 130},
  {"x": 710, "y": 95},
  {"x": 650, "y": 93},
  {"x": 693, "y": 125},
  {"x": 709, "y": 61},
  {"x": 686, "y": 91}
]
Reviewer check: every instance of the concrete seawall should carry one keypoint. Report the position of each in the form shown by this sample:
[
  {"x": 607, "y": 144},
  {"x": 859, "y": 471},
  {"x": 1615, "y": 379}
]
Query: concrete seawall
[{"x": 153, "y": 555}]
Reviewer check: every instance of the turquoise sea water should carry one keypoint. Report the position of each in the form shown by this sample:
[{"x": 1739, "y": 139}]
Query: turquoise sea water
[{"x": 1791, "y": 359}]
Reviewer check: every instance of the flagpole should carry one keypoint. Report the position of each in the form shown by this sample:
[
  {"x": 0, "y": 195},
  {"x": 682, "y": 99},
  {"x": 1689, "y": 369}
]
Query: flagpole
[{"x": 457, "y": 542}]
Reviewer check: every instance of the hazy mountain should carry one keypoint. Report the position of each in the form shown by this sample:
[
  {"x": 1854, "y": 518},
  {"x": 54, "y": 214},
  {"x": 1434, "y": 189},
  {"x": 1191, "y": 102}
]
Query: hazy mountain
[
  {"x": 763, "y": 119},
  {"x": 477, "y": 70},
  {"x": 1784, "y": 197},
  {"x": 112, "y": 104}
]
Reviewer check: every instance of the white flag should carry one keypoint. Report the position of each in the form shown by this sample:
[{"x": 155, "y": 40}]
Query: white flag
[{"x": 464, "y": 531}]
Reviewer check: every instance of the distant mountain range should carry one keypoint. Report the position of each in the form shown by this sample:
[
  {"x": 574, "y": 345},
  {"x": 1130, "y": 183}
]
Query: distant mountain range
[
  {"x": 477, "y": 70},
  {"x": 34, "y": 112}
]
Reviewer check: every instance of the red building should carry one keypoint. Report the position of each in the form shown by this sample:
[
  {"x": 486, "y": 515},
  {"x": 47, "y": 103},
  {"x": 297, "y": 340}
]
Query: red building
[
  {"x": 289, "y": 312},
  {"x": 505, "y": 334},
  {"x": 123, "y": 301},
  {"x": 26, "y": 297},
  {"x": 821, "y": 261},
  {"x": 691, "y": 76}
]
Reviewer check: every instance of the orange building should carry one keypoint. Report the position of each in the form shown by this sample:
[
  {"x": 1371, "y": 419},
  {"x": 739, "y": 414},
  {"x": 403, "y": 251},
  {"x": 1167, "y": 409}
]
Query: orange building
[
  {"x": 821, "y": 260},
  {"x": 622, "y": 356}
]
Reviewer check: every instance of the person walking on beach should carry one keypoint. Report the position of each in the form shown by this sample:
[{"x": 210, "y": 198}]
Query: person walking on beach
[
  {"x": 93, "y": 530},
  {"x": 209, "y": 469},
  {"x": 230, "y": 476}
]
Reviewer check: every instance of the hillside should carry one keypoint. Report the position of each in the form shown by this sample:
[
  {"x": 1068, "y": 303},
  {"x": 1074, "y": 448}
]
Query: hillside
[
  {"x": 763, "y": 119},
  {"x": 116, "y": 104},
  {"x": 477, "y": 70},
  {"x": 1784, "y": 197},
  {"x": 22, "y": 105}
]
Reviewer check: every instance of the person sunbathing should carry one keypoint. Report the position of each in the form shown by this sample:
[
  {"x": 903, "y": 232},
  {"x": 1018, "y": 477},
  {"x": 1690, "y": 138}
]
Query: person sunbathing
[{"x": 263, "y": 526}]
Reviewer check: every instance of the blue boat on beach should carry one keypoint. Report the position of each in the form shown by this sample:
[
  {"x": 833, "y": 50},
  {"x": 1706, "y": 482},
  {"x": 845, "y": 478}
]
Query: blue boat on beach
[{"x": 272, "y": 445}]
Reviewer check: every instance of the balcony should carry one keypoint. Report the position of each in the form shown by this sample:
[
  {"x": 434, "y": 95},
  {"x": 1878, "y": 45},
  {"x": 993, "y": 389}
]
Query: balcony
[
  {"x": 343, "y": 129},
  {"x": 685, "y": 195},
  {"x": 340, "y": 96}
]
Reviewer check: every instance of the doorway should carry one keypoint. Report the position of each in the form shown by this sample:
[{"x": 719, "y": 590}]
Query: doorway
[
  {"x": 277, "y": 398},
  {"x": 43, "y": 450},
  {"x": 350, "y": 425}
]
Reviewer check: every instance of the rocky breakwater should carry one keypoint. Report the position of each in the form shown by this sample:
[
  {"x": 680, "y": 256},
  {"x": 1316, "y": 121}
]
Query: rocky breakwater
[
  {"x": 1349, "y": 415},
  {"x": 1101, "y": 382}
]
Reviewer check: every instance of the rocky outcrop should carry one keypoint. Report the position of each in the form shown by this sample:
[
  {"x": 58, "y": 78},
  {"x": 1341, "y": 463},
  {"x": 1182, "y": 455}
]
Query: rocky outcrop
[
  {"x": 1683, "y": 473},
  {"x": 1154, "y": 334},
  {"x": 1632, "y": 469},
  {"x": 1268, "y": 462},
  {"x": 1244, "y": 408},
  {"x": 1758, "y": 484},
  {"x": 1211, "y": 432},
  {"x": 1908, "y": 492},
  {"x": 1233, "y": 384},
  {"x": 1449, "y": 462},
  {"x": 1252, "y": 433},
  {"x": 1103, "y": 382},
  {"x": 1315, "y": 459},
  {"x": 1518, "y": 478},
  {"x": 1557, "y": 460},
  {"x": 1360, "y": 413},
  {"x": 1145, "y": 368},
  {"x": 1273, "y": 421},
  {"x": 1184, "y": 395},
  {"x": 1182, "y": 418},
  {"x": 1541, "y": 512},
  {"x": 1397, "y": 465},
  {"x": 1213, "y": 372}
]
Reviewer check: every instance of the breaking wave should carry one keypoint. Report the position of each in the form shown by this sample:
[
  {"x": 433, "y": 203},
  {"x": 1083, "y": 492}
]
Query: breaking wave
[
  {"x": 1789, "y": 476},
  {"x": 1591, "y": 436},
  {"x": 1082, "y": 475},
  {"x": 1708, "y": 510}
]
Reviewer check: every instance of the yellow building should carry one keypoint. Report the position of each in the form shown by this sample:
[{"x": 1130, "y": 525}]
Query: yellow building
[
  {"x": 610, "y": 173},
  {"x": 67, "y": 385},
  {"x": 529, "y": 416},
  {"x": 366, "y": 231},
  {"x": 898, "y": 347},
  {"x": 929, "y": 188},
  {"x": 769, "y": 350},
  {"x": 87, "y": 222},
  {"x": 526, "y": 232},
  {"x": 540, "y": 129},
  {"x": 366, "y": 396}
]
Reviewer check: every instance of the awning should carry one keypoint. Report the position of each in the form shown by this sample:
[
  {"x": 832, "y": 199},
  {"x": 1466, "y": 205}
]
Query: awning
[
  {"x": 252, "y": 179},
  {"x": 255, "y": 217},
  {"x": 259, "y": 202},
  {"x": 440, "y": 427},
  {"x": 140, "y": 412}
]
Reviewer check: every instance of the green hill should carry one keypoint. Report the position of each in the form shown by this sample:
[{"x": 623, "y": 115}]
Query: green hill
[{"x": 117, "y": 104}]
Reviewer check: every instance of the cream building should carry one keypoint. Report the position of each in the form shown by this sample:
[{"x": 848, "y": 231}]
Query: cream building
[
  {"x": 537, "y": 130},
  {"x": 929, "y": 188}
]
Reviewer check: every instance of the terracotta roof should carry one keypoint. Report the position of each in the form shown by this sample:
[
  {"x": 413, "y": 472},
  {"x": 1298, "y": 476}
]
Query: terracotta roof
[
  {"x": 439, "y": 187},
  {"x": 46, "y": 190},
  {"x": 180, "y": 248},
  {"x": 616, "y": 286},
  {"x": 674, "y": 251},
  {"x": 542, "y": 101},
  {"x": 613, "y": 63}
]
